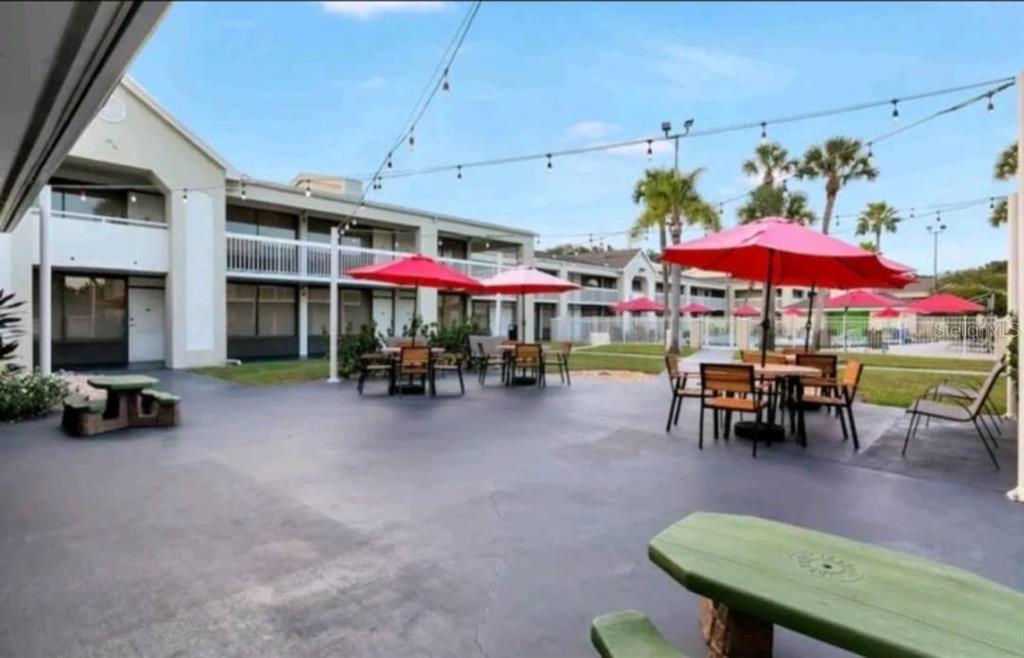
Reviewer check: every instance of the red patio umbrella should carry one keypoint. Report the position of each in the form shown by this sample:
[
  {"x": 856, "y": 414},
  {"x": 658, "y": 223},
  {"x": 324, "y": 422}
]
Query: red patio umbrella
[
  {"x": 778, "y": 251},
  {"x": 638, "y": 305},
  {"x": 860, "y": 299},
  {"x": 696, "y": 309},
  {"x": 794, "y": 311},
  {"x": 525, "y": 281},
  {"x": 945, "y": 303},
  {"x": 746, "y": 312},
  {"x": 416, "y": 270},
  {"x": 887, "y": 312}
]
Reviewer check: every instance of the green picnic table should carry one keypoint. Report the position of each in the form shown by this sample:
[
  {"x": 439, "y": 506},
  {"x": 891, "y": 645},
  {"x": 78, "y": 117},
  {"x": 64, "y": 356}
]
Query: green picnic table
[{"x": 870, "y": 600}]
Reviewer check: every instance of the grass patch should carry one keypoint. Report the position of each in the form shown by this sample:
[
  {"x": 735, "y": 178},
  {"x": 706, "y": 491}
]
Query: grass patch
[
  {"x": 900, "y": 388},
  {"x": 918, "y": 362},
  {"x": 642, "y": 349},
  {"x": 270, "y": 373},
  {"x": 635, "y": 363}
]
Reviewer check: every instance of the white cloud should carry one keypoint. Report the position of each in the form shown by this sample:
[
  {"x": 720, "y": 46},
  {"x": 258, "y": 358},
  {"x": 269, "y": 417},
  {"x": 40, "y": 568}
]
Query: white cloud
[
  {"x": 591, "y": 130},
  {"x": 364, "y": 11}
]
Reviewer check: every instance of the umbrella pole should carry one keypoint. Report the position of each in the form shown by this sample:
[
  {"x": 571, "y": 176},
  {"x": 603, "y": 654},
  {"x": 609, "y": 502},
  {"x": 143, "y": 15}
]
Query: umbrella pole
[
  {"x": 810, "y": 314},
  {"x": 765, "y": 322},
  {"x": 522, "y": 317},
  {"x": 415, "y": 310}
]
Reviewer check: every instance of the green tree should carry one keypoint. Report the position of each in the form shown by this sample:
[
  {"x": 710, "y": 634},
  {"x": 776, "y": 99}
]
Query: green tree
[
  {"x": 879, "y": 216},
  {"x": 867, "y": 245},
  {"x": 769, "y": 162},
  {"x": 839, "y": 162},
  {"x": 670, "y": 200},
  {"x": 1005, "y": 169},
  {"x": 767, "y": 201}
]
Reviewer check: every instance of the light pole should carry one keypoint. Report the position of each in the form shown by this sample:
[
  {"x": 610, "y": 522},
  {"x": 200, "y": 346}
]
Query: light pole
[{"x": 935, "y": 229}]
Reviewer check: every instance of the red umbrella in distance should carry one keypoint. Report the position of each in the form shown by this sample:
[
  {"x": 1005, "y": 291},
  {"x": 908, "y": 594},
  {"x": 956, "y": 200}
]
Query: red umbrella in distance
[
  {"x": 746, "y": 312},
  {"x": 887, "y": 312},
  {"x": 945, "y": 303},
  {"x": 525, "y": 281},
  {"x": 696, "y": 309},
  {"x": 859, "y": 299},
  {"x": 416, "y": 271},
  {"x": 777, "y": 251},
  {"x": 795, "y": 311},
  {"x": 638, "y": 305}
]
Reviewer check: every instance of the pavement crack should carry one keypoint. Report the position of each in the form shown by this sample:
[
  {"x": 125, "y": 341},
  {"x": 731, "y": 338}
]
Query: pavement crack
[{"x": 499, "y": 572}]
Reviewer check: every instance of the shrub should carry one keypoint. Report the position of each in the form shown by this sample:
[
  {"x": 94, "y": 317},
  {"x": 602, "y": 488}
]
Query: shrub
[
  {"x": 24, "y": 396},
  {"x": 351, "y": 347},
  {"x": 454, "y": 338}
]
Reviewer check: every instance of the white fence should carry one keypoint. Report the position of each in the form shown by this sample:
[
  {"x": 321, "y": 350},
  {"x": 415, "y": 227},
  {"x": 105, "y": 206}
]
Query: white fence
[{"x": 965, "y": 336}]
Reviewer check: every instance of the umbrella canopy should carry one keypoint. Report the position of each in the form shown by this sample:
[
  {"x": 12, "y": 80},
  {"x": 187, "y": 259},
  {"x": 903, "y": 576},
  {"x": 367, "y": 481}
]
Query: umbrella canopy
[
  {"x": 526, "y": 281},
  {"x": 746, "y": 312},
  {"x": 785, "y": 253},
  {"x": 945, "y": 303},
  {"x": 795, "y": 311},
  {"x": 638, "y": 305},
  {"x": 887, "y": 312},
  {"x": 860, "y": 299},
  {"x": 417, "y": 270},
  {"x": 696, "y": 309}
]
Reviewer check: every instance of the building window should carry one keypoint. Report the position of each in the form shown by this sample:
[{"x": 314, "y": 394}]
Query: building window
[
  {"x": 452, "y": 248},
  {"x": 451, "y": 308},
  {"x": 481, "y": 315},
  {"x": 94, "y": 308},
  {"x": 275, "y": 311},
  {"x": 241, "y": 310},
  {"x": 268, "y": 223},
  {"x": 106, "y": 203}
]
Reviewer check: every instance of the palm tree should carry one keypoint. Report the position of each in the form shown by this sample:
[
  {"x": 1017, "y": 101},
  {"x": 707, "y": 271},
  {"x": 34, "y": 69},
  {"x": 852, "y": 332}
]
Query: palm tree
[
  {"x": 877, "y": 217},
  {"x": 769, "y": 161},
  {"x": 671, "y": 200},
  {"x": 839, "y": 161},
  {"x": 768, "y": 201},
  {"x": 1005, "y": 169}
]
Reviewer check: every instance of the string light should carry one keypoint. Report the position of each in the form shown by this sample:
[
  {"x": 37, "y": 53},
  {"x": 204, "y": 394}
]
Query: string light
[
  {"x": 991, "y": 106},
  {"x": 184, "y": 195},
  {"x": 81, "y": 196},
  {"x": 992, "y": 203},
  {"x": 459, "y": 172},
  {"x": 243, "y": 188},
  {"x": 549, "y": 161},
  {"x": 895, "y": 111},
  {"x": 133, "y": 198},
  {"x": 389, "y": 161},
  {"x": 412, "y": 138},
  {"x": 309, "y": 192},
  {"x": 764, "y": 132},
  {"x": 650, "y": 150},
  {"x": 871, "y": 152},
  {"x": 444, "y": 85}
]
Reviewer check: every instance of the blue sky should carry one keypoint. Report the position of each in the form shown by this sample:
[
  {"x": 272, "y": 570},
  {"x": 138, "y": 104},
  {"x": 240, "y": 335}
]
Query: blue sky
[{"x": 279, "y": 87}]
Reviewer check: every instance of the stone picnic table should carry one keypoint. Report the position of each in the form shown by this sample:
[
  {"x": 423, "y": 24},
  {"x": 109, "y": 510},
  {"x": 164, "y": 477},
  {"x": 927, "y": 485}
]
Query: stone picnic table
[
  {"x": 131, "y": 402},
  {"x": 870, "y": 600}
]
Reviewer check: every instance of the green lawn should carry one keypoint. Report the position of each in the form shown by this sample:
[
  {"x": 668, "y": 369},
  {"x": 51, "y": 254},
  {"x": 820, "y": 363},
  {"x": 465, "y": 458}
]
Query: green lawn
[
  {"x": 900, "y": 388},
  {"x": 917, "y": 362},
  {"x": 269, "y": 373},
  {"x": 645, "y": 349},
  {"x": 636, "y": 363}
]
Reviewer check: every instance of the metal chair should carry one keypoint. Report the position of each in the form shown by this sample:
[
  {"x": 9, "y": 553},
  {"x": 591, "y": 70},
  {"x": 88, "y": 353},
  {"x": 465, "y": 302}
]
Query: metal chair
[
  {"x": 374, "y": 363},
  {"x": 559, "y": 358},
  {"x": 729, "y": 387},
  {"x": 488, "y": 358},
  {"x": 447, "y": 363},
  {"x": 677, "y": 383},
  {"x": 960, "y": 412}
]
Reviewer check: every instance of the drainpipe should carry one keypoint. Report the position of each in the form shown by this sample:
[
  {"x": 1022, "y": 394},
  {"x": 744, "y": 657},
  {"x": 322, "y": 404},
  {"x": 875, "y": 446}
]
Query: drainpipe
[
  {"x": 332, "y": 374},
  {"x": 45, "y": 283}
]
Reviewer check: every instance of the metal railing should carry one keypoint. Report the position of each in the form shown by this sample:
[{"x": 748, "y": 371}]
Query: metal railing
[
  {"x": 594, "y": 296},
  {"x": 295, "y": 259}
]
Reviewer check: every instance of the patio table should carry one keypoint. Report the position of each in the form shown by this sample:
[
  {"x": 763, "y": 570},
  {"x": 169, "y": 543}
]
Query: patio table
[
  {"x": 866, "y": 599},
  {"x": 124, "y": 397}
]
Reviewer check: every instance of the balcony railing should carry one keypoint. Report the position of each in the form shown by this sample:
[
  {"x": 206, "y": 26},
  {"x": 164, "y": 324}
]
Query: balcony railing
[
  {"x": 594, "y": 296},
  {"x": 111, "y": 243}
]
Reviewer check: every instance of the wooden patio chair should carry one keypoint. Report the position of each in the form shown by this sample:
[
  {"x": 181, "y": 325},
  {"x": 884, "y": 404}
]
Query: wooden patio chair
[
  {"x": 373, "y": 364},
  {"x": 449, "y": 362},
  {"x": 527, "y": 359},
  {"x": 729, "y": 387},
  {"x": 414, "y": 362},
  {"x": 840, "y": 397},
  {"x": 677, "y": 381},
  {"x": 828, "y": 364},
  {"x": 488, "y": 358},
  {"x": 959, "y": 412},
  {"x": 558, "y": 356}
]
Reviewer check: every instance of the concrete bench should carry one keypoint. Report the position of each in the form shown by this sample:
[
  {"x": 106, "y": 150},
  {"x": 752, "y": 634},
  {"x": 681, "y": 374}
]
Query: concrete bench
[
  {"x": 629, "y": 634},
  {"x": 82, "y": 416},
  {"x": 159, "y": 408}
]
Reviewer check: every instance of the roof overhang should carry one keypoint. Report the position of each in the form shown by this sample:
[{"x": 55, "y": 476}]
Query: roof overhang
[{"x": 59, "y": 61}]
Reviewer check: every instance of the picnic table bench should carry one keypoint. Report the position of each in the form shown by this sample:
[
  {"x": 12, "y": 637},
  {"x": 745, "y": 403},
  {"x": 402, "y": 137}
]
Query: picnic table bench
[
  {"x": 131, "y": 402},
  {"x": 870, "y": 600}
]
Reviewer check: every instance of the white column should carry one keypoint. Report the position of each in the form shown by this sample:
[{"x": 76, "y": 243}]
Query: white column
[
  {"x": 332, "y": 374},
  {"x": 45, "y": 283},
  {"x": 303, "y": 289},
  {"x": 1017, "y": 494},
  {"x": 496, "y": 320}
]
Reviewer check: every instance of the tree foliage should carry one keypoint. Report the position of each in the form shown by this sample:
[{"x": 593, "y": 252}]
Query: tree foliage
[
  {"x": 877, "y": 218},
  {"x": 1005, "y": 169},
  {"x": 10, "y": 320},
  {"x": 988, "y": 280},
  {"x": 768, "y": 201},
  {"x": 770, "y": 161},
  {"x": 839, "y": 162}
]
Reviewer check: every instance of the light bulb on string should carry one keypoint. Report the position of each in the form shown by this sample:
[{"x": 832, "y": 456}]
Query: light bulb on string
[
  {"x": 133, "y": 198},
  {"x": 243, "y": 189},
  {"x": 412, "y": 138},
  {"x": 650, "y": 150},
  {"x": 389, "y": 161},
  {"x": 871, "y": 151},
  {"x": 991, "y": 106},
  {"x": 444, "y": 85},
  {"x": 992, "y": 203},
  {"x": 895, "y": 111},
  {"x": 184, "y": 195},
  {"x": 549, "y": 161},
  {"x": 911, "y": 213},
  {"x": 458, "y": 173},
  {"x": 81, "y": 196},
  {"x": 309, "y": 192},
  {"x": 764, "y": 132}
]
